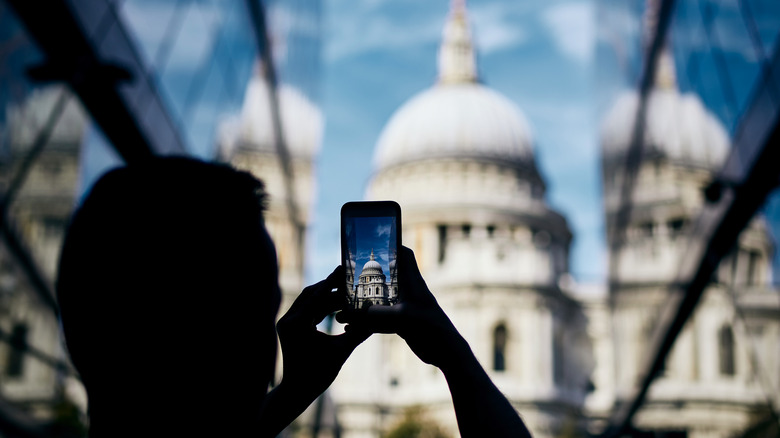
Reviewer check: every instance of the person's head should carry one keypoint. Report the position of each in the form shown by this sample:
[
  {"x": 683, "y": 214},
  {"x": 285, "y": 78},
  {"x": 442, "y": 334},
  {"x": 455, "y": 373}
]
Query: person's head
[{"x": 168, "y": 289}]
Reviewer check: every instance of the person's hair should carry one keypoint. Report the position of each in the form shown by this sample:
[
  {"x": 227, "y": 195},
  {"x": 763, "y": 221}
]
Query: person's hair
[{"x": 163, "y": 274}]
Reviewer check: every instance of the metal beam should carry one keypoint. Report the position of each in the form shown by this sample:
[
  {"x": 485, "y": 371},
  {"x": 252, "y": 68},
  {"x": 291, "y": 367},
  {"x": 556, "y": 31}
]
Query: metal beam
[
  {"x": 634, "y": 152},
  {"x": 87, "y": 46},
  {"x": 258, "y": 17},
  {"x": 740, "y": 189}
]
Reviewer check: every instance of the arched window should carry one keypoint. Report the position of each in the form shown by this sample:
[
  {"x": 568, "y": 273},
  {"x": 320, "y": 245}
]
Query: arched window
[
  {"x": 726, "y": 351},
  {"x": 499, "y": 348},
  {"x": 15, "y": 359},
  {"x": 442, "y": 242},
  {"x": 559, "y": 369}
]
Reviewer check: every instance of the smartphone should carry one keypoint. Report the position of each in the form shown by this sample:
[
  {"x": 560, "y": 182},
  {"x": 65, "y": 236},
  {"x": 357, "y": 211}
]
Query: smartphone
[{"x": 370, "y": 240}]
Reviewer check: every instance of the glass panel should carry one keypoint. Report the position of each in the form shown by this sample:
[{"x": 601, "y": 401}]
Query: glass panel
[{"x": 42, "y": 129}]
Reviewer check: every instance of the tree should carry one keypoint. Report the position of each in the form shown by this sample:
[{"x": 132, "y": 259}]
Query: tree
[{"x": 415, "y": 424}]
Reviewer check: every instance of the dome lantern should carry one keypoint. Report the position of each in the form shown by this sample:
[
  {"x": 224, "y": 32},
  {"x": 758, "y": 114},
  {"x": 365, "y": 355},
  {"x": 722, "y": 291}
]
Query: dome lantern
[
  {"x": 372, "y": 266},
  {"x": 457, "y": 62}
]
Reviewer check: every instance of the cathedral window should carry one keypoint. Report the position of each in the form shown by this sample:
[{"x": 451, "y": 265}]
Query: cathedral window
[
  {"x": 16, "y": 351},
  {"x": 53, "y": 227},
  {"x": 752, "y": 268},
  {"x": 499, "y": 348},
  {"x": 558, "y": 355},
  {"x": 675, "y": 226},
  {"x": 646, "y": 229},
  {"x": 726, "y": 351},
  {"x": 442, "y": 242}
]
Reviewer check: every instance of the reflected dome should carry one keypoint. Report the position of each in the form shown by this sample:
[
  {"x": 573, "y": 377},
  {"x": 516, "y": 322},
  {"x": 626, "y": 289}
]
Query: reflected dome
[
  {"x": 302, "y": 122},
  {"x": 678, "y": 127}
]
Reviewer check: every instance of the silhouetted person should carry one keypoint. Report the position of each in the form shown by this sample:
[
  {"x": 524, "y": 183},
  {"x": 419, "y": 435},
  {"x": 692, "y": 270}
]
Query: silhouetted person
[{"x": 168, "y": 294}]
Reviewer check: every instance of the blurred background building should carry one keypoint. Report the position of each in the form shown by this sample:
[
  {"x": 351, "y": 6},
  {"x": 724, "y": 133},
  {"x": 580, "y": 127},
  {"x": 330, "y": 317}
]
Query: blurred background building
[{"x": 680, "y": 334}]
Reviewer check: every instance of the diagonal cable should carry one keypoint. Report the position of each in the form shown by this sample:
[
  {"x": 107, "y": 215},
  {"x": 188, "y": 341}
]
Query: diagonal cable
[
  {"x": 756, "y": 369},
  {"x": 38, "y": 354},
  {"x": 755, "y": 40},
  {"x": 724, "y": 78},
  {"x": 634, "y": 153},
  {"x": 257, "y": 14},
  {"x": 40, "y": 285}
]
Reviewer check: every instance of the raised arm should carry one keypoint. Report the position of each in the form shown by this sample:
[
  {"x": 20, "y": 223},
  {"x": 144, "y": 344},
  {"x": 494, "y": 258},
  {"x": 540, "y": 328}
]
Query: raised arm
[
  {"x": 312, "y": 359},
  {"x": 481, "y": 409}
]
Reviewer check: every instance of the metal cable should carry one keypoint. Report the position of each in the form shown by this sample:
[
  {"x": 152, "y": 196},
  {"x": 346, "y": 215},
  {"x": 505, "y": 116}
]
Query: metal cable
[
  {"x": 721, "y": 67},
  {"x": 634, "y": 153},
  {"x": 40, "y": 285},
  {"x": 755, "y": 365},
  {"x": 755, "y": 39},
  {"x": 196, "y": 86},
  {"x": 257, "y": 13},
  {"x": 43, "y": 357}
]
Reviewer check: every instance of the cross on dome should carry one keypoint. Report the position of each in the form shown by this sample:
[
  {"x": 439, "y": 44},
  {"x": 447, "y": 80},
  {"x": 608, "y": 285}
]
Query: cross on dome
[{"x": 457, "y": 62}]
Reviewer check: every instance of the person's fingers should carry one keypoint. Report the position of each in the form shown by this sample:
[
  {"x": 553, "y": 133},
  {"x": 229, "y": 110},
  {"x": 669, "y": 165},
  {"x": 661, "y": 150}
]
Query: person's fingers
[
  {"x": 306, "y": 295},
  {"x": 348, "y": 315},
  {"x": 329, "y": 303},
  {"x": 411, "y": 285},
  {"x": 346, "y": 342},
  {"x": 317, "y": 301},
  {"x": 377, "y": 319}
]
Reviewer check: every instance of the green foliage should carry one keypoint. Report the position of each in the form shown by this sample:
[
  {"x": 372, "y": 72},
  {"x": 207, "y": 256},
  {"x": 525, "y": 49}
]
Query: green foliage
[{"x": 416, "y": 425}]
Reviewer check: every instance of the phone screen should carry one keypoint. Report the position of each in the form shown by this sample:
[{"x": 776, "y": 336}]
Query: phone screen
[{"x": 370, "y": 249}]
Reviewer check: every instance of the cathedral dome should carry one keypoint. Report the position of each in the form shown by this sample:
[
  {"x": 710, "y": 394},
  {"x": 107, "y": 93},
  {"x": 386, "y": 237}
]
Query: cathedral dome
[
  {"x": 458, "y": 117},
  {"x": 372, "y": 266},
  {"x": 455, "y": 120},
  {"x": 678, "y": 127},
  {"x": 302, "y": 121}
]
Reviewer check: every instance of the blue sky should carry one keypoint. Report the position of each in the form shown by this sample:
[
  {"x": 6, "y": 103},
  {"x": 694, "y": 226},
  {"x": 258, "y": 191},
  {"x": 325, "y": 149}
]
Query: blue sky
[
  {"x": 563, "y": 62},
  {"x": 539, "y": 54},
  {"x": 373, "y": 234}
]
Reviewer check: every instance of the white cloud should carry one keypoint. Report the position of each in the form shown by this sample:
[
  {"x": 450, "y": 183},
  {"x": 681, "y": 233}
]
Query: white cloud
[
  {"x": 367, "y": 28},
  {"x": 285, "y": 23},
  {"x": 369, "y": 32},
  {"x": 495, "y": 26},
  {"x": 572, "y": 27},
  {"x": 383, "y": 230}
]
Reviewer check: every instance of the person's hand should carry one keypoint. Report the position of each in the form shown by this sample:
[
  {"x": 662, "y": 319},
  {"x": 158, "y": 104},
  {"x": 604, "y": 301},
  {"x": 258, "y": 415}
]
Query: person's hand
[
  {"x": 312, "y": 359},
  {"x": 481, "y": 409},
  {"x": 418, "y": 318}
]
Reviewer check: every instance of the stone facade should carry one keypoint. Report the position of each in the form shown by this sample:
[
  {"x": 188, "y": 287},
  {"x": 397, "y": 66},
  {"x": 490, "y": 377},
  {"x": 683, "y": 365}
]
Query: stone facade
[
  {"x": 492, "y": 251},
  {"x": 374, "y": 288},
  {"x": 39, "y": 213}
]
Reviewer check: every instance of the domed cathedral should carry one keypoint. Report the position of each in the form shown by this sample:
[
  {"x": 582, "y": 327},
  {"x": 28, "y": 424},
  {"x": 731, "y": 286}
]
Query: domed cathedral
[
  {"x": 249, "y": 142},
  {"x": 373, "y": 285},
  {"x": 711, "y": 384},
  {"x": 458, "y": 158}
]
